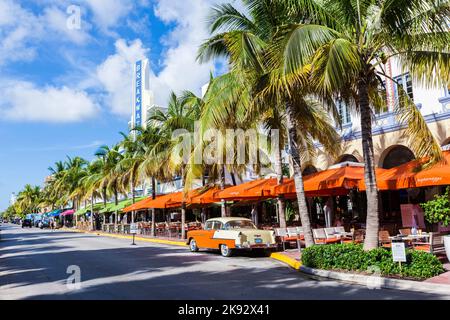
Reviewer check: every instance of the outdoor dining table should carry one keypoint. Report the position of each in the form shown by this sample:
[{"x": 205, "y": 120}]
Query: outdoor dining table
[{"x": 410, "y": 237}]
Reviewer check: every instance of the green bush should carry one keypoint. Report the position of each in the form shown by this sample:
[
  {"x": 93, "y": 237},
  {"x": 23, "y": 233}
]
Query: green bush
[
  {"x": 438, "y": 209},
  {"x": 352, "y": 257}
]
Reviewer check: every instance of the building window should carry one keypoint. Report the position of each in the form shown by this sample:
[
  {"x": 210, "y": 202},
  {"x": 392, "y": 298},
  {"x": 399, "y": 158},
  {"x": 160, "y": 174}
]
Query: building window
[
  {"x": 405, "y": 82},
  {"x": 344, "y": 112}
]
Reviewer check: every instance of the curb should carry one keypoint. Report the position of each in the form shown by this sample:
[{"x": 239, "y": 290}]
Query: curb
[
  {"x": 295, "y": 264},
  {"x": 374, "y": 282},
  {"x": 118, "y": 236}
]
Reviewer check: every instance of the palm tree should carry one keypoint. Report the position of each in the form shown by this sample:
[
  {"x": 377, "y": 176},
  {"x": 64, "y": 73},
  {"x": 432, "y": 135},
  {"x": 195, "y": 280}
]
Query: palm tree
[
  {"x": 110, "y": 157},
  {"x": 179, "y": 116},
  {"x": 348, "y": 43},
  {"x": 92, "y": 184},
  {"x": 247, "y": 41},
  {"x": 29, "y": 198}
]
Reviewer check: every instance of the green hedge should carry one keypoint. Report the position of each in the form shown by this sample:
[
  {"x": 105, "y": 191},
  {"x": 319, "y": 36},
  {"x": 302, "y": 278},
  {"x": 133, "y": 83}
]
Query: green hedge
[{"x": 352, "y": 257}]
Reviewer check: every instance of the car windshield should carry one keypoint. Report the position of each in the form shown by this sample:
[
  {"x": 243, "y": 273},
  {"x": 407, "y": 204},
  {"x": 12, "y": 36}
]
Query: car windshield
[{"x": 239, "y": 224}]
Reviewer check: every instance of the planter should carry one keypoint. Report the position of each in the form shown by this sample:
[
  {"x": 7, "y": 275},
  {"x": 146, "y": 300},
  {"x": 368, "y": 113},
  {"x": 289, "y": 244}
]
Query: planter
[{"x": 447, "y": 246}]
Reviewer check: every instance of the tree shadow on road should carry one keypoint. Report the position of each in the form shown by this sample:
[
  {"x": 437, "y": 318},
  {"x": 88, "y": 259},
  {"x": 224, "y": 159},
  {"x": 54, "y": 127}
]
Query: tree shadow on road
[{"x": 165, "y": 272}]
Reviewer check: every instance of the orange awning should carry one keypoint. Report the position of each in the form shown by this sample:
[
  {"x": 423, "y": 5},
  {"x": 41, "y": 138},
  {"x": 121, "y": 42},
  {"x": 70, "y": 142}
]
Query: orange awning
[
  {"x": 258, "y": 189},
  {"x": 140, "y": 205},
  {"x": 331, "y": 182},
  {"x": 207, "y": 197},
  {"x": 171, "y": 200},
  {"x": 407, "y": 175}
]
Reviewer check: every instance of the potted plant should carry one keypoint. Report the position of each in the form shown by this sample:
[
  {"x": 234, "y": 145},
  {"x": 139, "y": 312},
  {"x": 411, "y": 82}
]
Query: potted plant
[{"x": 438, "y": 211}]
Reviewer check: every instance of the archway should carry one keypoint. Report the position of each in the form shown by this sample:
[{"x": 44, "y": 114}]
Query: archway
[
  {"x": 309, "y": 169},
  {"x": 347, "y": 158},
  {"x": 396, "y": 156}
]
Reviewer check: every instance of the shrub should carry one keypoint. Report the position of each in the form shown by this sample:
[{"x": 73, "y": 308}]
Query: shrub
[
  {"x": 352, "y": 257},
  {"x": 438, "y": 209}
]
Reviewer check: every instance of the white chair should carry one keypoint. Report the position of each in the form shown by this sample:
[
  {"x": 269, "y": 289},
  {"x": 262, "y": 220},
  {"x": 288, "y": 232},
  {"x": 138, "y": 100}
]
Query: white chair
[
  {"x": 281, "y": 232},
  {"x": 339, "y": 230},
  {"x": 292, "y": 232},
  {"x": 330, "y": 233},
  {"x": 300, "y": 231}
]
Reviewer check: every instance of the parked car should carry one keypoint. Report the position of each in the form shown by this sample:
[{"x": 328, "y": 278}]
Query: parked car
[
  {"x": 44, "y": 223},
  {"x": 28, "y": 221},
  {"x": 229, "y": 235}
]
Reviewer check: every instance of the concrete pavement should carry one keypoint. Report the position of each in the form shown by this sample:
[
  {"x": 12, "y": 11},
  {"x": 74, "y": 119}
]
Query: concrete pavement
[{"x": 34, "y": 265}]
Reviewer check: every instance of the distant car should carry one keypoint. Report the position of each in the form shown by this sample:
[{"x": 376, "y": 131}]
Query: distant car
[
  {"x": 27, "y": 223},
  {"x": 44, "y": 223},
  {"x": 229, "y": 235}
]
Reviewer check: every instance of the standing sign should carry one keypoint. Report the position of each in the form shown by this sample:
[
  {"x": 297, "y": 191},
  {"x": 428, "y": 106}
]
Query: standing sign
[
  {"x": 398, "y": 252},
  {"x": 133, "y": 228},
  {"x": 138, "y": 95},
  {"x": 133, "y": 231}
]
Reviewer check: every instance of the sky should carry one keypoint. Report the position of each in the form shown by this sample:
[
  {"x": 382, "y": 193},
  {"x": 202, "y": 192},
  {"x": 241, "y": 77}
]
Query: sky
[{"x": 66, "y": 74}]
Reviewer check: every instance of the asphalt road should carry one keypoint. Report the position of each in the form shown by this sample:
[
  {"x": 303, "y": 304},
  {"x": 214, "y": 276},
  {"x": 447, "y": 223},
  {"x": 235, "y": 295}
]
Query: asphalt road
[{"x": 34, "y": 265}]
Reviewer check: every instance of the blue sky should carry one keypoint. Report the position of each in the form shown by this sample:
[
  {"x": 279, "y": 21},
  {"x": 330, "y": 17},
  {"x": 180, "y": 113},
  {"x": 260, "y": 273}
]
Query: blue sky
[{"x": 65, "y": 89}]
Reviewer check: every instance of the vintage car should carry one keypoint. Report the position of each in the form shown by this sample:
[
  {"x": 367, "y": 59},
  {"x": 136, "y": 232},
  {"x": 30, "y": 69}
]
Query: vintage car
[{"x": 230, "y": 234}]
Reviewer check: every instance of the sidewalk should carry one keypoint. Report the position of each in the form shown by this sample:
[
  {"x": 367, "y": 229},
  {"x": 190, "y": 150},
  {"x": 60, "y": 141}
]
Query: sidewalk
[
  {"x": 138, "y": 237},
  {"x": 442, "y": 278}
]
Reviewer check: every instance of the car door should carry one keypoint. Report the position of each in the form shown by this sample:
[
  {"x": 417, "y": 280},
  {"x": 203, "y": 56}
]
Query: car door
[
  {"x": 202, "y": 237},
  {"x": 214, "y": 242}
]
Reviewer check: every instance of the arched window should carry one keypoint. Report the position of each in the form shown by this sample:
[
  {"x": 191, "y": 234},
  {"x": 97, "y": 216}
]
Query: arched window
[
  {"x": 397, "y": 156},
  {"x": 310, "y": 169},
  {"x": 347, "y": 158}
]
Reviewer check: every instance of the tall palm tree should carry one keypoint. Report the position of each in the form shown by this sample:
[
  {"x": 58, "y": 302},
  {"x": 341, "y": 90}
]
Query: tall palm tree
[
  {"x": 110, "y": 157},
  {"x": 29, "y": 198},
  {"x": 348, "y": 43},
  {"x": 179, "y": 116},
  {"x": 247, "y": 40},
  {"x": 92, "y": 184}
]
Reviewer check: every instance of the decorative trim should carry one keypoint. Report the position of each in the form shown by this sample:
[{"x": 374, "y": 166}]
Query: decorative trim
[{"x": 430, "y": 118}]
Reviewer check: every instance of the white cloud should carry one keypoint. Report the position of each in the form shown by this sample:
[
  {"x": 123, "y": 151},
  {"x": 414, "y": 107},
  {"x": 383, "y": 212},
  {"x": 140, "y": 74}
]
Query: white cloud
[
  {"x": 180, "y": 70},
  {"x": 183, "y": 42},
  {"x": 23, "y": 101},
  {"x": 23, "y": 31},
  {"x": 107, "y": 13},
  {"x": 115, "y": 75},
  {"x": 55, "y": 20}
]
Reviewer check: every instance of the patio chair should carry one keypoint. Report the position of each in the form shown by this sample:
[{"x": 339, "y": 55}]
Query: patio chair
[
  {"x": 343, "y": 233},
  {"x": 292, "y": 232},
  {"x": 301, "y": 232},
  {"x": 384, "y": 240},
  {"x": 330, "y": 233},
  {"x": 320, "y": 237},
  {"x": 434, "y": 245},
  {"x": 284, "y": 236}
]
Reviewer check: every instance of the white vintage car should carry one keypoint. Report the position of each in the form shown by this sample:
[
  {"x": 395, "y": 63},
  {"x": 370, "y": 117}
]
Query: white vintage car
[{"x": 229, "y": 234}]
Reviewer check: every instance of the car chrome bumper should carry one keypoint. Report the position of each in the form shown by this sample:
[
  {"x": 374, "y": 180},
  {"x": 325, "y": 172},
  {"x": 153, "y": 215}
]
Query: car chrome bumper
[{"x": 257, "y": 246}]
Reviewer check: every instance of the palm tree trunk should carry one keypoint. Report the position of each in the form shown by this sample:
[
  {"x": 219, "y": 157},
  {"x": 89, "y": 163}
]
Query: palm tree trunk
[
  {"x": 280, "y": 199},
  {"x": 298, "y": 179},
  {"x": 183, "y": 206},
  {"x": 372, "y": 223},
  {"x": 133, "y": 196},
  {"x": 153, "y": 209},
  {"x": 92, "y": 211},
  {"x": 222, "y": 187},
  {"x": 116, "y": 202}
]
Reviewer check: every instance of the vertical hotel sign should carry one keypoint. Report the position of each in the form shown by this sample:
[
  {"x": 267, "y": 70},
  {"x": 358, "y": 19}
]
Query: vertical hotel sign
[{"x": 138, "y": 95}]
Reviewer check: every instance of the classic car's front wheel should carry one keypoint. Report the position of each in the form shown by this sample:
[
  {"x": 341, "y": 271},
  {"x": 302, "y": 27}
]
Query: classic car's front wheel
[
  {"x": 193, "y": 245},
  {"x": 225, "y": 251}
]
